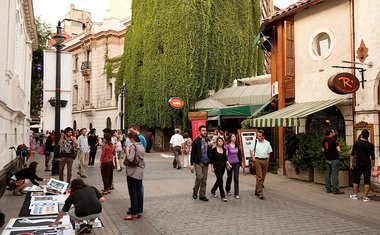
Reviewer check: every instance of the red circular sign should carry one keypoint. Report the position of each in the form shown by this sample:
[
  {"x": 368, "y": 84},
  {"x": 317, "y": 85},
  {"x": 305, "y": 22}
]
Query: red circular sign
[
  {"x": 176, "y": 103},
  {"x": 343, "y": 83}
]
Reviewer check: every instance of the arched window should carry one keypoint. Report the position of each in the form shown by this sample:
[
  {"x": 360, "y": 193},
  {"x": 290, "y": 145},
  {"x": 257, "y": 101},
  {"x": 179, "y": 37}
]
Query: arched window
[
  {"x": 75, "y": 125},
  {"x": 108, "y": 124}
]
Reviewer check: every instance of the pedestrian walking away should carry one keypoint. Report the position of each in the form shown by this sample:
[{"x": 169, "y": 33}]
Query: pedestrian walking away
[
  {"x": 331, "y": 148},
  {"x": 83, "y": 204},
  {"x": 107, "y": 163},
  {"x": 135, "y": 175},
  {"x": 219, "y": 162},
  {"x": 177, "y": 145},
  {"x": 187, "y": 149},
  {"x": 119, "y": 149},
  {"x": 93, "y": 142},
  {"x": 199, "y": 160},
  {"x": 23, "y": 177},
  {"x": 67, "y": 144},
  {"x": 83, "y": 152},
  {"x": 363, "y": 152},
  {"x": 260, "y": 153},
  {"x": 49, "y": 152},
  {"x": 234, "y": 158}
]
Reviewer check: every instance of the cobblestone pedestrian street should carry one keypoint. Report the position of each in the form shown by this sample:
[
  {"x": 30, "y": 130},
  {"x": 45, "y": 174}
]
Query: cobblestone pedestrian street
[{"x": 290, "y": 206}]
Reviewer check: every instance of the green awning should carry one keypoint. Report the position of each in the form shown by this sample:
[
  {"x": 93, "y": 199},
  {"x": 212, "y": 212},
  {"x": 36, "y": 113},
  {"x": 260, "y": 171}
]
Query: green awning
[
  {"x": 261, "y": 108},
  {"x": 291, "y": 115},
  {"x": 241, "y": 110}
]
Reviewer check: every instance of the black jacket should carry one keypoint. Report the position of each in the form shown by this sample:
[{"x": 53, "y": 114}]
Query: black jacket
[{"x": 196, "y": 153}]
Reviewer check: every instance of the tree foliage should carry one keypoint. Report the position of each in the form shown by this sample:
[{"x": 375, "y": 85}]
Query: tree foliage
[
  {"x": 185, "y": 48},
  {"x": 44, "y": 31}
]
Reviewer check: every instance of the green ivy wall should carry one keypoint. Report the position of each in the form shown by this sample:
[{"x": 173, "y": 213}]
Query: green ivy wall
[{"x": 185, "y": 48}]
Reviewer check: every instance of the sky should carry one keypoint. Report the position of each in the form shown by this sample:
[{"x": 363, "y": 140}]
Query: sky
[{"x": 51, "y": 13}]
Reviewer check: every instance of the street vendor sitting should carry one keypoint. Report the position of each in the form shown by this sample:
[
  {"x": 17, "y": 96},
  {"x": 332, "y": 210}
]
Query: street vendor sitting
[
  {"x": 23, "y": 177},
  {"x": 86, "y": 205}
]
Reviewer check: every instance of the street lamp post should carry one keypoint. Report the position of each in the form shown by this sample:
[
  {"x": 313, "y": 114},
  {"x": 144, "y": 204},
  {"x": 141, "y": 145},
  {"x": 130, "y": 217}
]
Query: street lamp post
[
  {"x": 59, "y": 38},
  {"x": 121, "y": 91}
]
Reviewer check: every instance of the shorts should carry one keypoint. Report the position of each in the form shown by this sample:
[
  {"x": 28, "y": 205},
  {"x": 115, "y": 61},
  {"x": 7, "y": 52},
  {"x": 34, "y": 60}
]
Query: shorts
[
  {"x": 14, "y": 183},
  {"x": 71, "y": 212},
  {"x": 366, "y": 171},
  {"x": 119, "y": 156}
]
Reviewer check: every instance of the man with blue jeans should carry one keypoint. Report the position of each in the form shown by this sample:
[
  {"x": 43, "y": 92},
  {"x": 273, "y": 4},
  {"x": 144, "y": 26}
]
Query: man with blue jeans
[{"x": 331, "y": 148}]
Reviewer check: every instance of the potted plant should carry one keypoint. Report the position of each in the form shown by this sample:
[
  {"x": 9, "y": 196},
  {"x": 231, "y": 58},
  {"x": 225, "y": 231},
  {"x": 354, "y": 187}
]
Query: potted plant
[
  {"x": 53, "y": 102},
  {"x": 298, "y": 156}
]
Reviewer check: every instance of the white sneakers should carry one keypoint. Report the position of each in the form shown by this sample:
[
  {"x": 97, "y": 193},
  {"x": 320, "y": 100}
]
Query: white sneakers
[{"x": 355, "y": 197}]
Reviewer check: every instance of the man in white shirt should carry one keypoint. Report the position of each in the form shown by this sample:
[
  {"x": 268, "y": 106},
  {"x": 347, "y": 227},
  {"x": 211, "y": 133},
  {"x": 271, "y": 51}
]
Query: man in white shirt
[
  {"x": 260, "y": 152},
  {"x": 83, "y": 152},
  {"x": 177, "y": 145}
]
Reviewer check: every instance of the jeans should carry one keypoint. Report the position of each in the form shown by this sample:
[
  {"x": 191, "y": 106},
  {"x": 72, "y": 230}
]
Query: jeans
[
  {"x": 235, "y": 170},
  {"x": 177, "y": 152},
  {"x": 92, "y": 155},
  {"x": 135, "y": 194},
  {"x": 219, "y": 172},
  {"x": 332, "y": 168}
]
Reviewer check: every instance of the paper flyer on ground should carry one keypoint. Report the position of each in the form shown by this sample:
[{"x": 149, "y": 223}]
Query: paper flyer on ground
[
  {"x": 56, "y": 185},
  {"x": 44, "y": 209},
  {"x": 34, "y": 188}
]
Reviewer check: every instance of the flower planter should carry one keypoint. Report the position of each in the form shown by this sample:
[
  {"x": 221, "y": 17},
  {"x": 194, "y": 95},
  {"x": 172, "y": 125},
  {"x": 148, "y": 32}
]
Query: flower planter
[
  {"x": 343, "y": 177},
  {"x": 53, "y": 102},
  {"x": 291, "y": 172}
]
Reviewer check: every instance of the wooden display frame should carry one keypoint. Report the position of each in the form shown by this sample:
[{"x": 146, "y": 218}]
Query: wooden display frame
[
  {"x": 358, "y": 127},
  {"x": 243, "y": 146}
]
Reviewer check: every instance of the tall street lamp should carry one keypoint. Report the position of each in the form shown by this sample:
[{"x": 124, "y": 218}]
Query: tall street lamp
[
  {"x": 59, "y": 38},
  {"x": 121, "y": 92}
]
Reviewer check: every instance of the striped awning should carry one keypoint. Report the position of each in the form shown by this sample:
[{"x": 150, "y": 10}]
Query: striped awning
[{"x": 291, "y": 115}]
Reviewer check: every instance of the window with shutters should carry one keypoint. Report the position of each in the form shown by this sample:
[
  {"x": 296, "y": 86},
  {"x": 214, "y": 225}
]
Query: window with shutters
[{"x": 290, "y": 65}]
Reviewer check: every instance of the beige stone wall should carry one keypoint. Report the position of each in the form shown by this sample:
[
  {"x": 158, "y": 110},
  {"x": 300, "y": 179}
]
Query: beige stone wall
[
  {"x": 367, "y": 21},
  {"x": 311, "y": 82}
]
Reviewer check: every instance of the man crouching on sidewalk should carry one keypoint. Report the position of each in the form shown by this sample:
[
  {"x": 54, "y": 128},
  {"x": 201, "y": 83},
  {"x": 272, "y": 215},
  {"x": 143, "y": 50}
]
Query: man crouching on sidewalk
[{"x": 86, "y": 200}]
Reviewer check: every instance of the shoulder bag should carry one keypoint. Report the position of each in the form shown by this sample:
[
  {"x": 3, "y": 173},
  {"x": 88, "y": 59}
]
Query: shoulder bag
[
  {"x": 252, "y": 168},
  {"x": 136, "y": 160}
]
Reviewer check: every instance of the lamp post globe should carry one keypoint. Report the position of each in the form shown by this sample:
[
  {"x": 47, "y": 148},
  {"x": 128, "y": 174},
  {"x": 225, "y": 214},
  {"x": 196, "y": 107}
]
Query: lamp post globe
[{"x": 59, "y": 39}]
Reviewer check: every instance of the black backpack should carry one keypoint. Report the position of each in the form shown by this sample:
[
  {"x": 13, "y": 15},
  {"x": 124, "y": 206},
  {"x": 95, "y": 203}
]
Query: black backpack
[{"x": 8, "y": 178}]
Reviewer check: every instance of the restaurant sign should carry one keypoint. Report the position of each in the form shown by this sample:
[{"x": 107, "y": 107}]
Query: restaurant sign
[
  {"x": 176, "y": 103},
  {"x": 343, "y": 83}
]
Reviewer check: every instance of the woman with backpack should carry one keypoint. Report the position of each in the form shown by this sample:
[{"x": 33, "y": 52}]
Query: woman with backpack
[
  {"x": 135, "y": 174},
  {"x": 23, "y": 177}
]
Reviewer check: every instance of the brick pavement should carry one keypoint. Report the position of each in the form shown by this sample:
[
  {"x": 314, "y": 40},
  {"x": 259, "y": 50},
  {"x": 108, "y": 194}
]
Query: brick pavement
[{"x": 290, "y": 207}]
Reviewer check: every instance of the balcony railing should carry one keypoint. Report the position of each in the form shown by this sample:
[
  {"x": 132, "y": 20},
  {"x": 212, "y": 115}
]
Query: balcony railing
[{"x": 85, "y": 65}]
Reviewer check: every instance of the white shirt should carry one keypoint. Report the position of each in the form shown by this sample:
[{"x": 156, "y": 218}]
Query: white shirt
[
  {"x": 177, "y": 140},
  {"x": 83, "y": 144}
]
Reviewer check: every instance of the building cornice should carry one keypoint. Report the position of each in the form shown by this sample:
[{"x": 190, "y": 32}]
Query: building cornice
[
  {"x": 30, "y": 23},
  {"x": 91, "y": 37}
]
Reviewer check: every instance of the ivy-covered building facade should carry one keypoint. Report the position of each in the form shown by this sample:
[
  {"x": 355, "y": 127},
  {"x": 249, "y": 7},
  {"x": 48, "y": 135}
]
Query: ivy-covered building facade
[{"x": 184, "y": 51}]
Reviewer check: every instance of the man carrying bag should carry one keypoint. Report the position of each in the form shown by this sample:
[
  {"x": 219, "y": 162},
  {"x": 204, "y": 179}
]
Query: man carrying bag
[{"x": 260, "y": 155}]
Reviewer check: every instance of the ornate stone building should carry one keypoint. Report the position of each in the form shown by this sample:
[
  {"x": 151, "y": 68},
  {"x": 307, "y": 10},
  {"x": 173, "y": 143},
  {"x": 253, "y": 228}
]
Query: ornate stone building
[{"x": 94, "y": 101}]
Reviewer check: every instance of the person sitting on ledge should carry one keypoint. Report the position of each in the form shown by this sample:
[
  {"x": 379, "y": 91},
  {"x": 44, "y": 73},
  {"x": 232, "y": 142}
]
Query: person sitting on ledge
[
  {"x": 86, "y": 205},
  {"x": 23, "y": 177}
]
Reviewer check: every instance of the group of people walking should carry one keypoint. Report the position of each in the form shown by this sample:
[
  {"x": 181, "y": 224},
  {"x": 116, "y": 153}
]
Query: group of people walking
[{"x": 225, "y": 155}]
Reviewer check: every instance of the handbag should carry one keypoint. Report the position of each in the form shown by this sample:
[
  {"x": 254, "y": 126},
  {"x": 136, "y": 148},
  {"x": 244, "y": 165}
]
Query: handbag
[
  {"x": 252, "y": 168},
  {"x": 42, "y": 150},
  {"x": 136, "y": 160}
]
